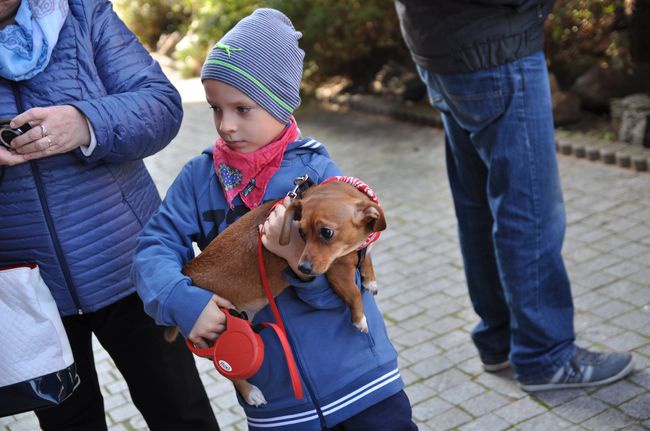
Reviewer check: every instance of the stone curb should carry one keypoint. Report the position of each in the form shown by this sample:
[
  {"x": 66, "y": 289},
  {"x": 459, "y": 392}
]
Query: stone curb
[
  {"x": 567, "y": 143},
  {"x": 608, "y": 152}
]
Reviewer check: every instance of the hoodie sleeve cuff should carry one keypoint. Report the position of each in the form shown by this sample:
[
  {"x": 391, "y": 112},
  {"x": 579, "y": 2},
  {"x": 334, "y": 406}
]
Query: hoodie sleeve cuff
[{"x": 188, "y": 303}]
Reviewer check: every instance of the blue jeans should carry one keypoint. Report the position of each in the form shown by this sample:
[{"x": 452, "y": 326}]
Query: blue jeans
[{"x": 504, "y": 179}]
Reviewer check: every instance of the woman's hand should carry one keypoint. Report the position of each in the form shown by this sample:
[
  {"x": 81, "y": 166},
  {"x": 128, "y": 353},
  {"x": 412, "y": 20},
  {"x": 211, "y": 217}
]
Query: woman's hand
[
  {"x": 271, "y": 238},
  {"x": 211, "y": 322},
  {"x": 55, "y": 130}
]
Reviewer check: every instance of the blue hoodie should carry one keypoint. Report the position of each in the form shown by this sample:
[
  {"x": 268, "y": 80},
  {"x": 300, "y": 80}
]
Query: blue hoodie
[{"x": 342, "y": 370}]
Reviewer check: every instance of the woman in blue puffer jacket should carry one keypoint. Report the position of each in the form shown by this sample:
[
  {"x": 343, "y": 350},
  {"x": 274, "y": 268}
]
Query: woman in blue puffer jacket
[{"x": 74, "y": 194}]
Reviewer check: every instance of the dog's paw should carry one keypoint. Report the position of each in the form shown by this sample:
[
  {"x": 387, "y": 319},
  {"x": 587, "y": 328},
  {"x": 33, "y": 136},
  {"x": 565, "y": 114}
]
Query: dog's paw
[
  {"x": 362, "y": 325},
  {"x": 255, "y": 397},
  {"x": 370, "y": 286}
]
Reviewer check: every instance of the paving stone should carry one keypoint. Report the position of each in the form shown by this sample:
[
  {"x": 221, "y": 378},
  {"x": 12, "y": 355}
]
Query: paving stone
[
  {"x": 430, "y": 408},
  {"x": 418, "y": 392},
  {"x": 626, "y": 341},
  {"x": 610, "y": 419},
  {"x": 419, "y": 352},
  {"x": 450, "y": 419},
  {"x": 639, "y": 407},
  {"x": 580, "y": 409},
  {"x": 485, "y": 403},
  {"x": 612, "y": 308},
  {"x": 488, "y": 422},
  {"x": 520, "y": 410},
  {"x": 431, "y": 367},
  {"x": 502, "y": 382},
  {"x": 556, "y": 397},
  {"x": 446, "y": 380},
  {"x": 618, "y": 392},
  {"x": 460, "y": 353},
  {"x": 462, "y": 392},
  {"x": 452, "y": 339},
  {"x": 546, "y": 422},
  {"x": 123, "y": 412}
]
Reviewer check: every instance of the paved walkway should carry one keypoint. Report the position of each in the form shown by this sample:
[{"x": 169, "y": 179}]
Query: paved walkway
[{"x": 422, "y": 288}]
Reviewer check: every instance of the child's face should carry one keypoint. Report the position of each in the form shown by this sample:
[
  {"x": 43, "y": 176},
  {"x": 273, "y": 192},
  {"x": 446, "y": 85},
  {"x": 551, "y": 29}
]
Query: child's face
[{"x": 242, "y": 124}]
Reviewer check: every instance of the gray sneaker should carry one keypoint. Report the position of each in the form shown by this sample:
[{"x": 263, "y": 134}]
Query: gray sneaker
[{"x": 584, "y": 369}]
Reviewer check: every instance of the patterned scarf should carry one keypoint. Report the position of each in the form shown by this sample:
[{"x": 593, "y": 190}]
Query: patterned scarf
[
  {"x": 248, "y": 174},
  {"x": 26, "y": 46}
]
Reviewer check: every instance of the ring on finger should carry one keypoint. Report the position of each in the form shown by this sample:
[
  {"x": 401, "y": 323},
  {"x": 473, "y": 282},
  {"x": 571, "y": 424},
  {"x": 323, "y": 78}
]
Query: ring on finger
[
  {"x": 49, "y": 141},
  {"x": 43, "y": 130}
]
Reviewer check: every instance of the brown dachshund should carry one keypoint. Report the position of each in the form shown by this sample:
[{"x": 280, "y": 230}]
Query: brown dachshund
[{"x": 335, "y": 220}]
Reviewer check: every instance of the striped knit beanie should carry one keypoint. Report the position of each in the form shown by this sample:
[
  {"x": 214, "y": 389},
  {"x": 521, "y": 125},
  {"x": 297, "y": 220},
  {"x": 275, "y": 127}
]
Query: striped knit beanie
[{"x": 260, "y": 57}]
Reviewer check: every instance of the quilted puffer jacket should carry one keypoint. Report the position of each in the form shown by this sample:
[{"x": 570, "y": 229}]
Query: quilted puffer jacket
[{"x": 78, "y": 217}]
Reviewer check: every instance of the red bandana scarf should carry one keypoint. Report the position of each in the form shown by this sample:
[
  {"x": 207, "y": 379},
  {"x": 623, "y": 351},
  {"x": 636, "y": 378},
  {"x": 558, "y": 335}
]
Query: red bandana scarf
[{"x": 248, "y": 174}]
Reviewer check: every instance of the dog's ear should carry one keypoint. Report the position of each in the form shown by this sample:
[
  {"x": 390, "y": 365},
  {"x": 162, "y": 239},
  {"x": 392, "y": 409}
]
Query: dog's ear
[
  {"x": 373, "y": 216},
  {"x": 294, "y": 212}
]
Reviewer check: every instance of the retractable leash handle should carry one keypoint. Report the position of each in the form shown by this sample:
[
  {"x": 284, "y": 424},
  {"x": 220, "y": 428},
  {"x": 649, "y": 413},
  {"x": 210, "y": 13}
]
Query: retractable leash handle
[{"x": 238, "y": 352}]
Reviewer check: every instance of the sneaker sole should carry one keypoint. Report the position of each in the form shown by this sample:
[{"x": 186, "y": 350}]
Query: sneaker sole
[
  {"x": 493, "y": 368},
  {"x": 549, "y": 386}
]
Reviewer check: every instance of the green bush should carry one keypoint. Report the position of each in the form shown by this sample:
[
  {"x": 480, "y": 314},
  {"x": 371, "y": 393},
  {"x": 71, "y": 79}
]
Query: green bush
[
  {"x": 209, "y": 23},
  {"x": 149, "y": 19},
  {"x": 582, "y": 33},
  {"x": 341, "y": 37},
  {"x": 355, "y": 38}
]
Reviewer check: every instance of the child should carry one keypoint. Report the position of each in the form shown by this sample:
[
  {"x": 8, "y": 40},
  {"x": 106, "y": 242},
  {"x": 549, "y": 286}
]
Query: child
[{"x": 350, "y": 379}]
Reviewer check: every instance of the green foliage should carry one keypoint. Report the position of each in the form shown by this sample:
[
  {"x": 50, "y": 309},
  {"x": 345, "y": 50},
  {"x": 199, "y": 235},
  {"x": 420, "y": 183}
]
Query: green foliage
[
  {"x": 149, "y": 19},
  {"x": 355, "y": 38},
  {"x": 582, "y": 33},
  {"x": 340, "y": 37},
  {"x": 209, "y": 23}
]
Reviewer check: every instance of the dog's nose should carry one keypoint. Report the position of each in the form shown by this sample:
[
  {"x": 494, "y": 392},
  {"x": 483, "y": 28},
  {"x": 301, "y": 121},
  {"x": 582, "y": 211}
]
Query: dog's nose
[{"x": 305, "y": 267}]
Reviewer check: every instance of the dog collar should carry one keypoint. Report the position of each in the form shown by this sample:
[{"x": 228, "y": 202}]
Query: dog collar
[{"x": 365, "y": 188}]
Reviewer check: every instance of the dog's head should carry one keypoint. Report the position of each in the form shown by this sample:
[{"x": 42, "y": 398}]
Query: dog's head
[{"x": 335, "y": 219}]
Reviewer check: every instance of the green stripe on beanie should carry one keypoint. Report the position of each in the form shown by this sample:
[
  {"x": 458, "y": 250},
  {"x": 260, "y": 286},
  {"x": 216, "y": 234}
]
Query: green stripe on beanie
[{"x": 254, "y": 81}]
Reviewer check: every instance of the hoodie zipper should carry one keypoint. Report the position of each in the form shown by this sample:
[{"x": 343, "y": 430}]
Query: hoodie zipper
[{"x": 38, "y": 181}]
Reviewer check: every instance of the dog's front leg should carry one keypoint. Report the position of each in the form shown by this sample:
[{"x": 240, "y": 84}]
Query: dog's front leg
[
  {"x": 251, "y": 393},
  {"x": 368, "y": 278},
  {"x": 341, "y": 278}
]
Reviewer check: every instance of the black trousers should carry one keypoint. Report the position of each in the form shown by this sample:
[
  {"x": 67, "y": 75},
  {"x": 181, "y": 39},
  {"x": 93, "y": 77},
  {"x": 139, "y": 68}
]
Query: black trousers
[
  {"x": 392, "y": 414},
  {"x": 162, "y": 377}
]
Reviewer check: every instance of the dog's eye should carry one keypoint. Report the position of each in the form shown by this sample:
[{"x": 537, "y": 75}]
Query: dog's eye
[
  {"x": 302, "y": 233},
  {"x": 326, "y": 233}
]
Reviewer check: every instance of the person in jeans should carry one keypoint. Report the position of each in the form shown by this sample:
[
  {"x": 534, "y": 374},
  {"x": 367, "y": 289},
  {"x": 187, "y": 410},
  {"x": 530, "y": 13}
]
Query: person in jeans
[{"x": 484, "y": 69}]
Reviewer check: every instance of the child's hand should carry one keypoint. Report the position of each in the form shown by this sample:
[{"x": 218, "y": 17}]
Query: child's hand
[
  {"x": 271, "y": 237},
  {"x": 211, "y": 322}
]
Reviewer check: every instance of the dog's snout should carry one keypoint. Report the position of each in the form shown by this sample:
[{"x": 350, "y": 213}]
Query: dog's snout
[{"x": 306, "y": 267}]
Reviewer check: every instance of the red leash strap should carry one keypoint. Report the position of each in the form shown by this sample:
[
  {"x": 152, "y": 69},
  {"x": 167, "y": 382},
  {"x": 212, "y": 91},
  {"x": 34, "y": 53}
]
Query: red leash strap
[
  {"x": 279, "y": 327},
  {"x": 263, "y": 277},
  {"x": 291, "y": 362}
]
